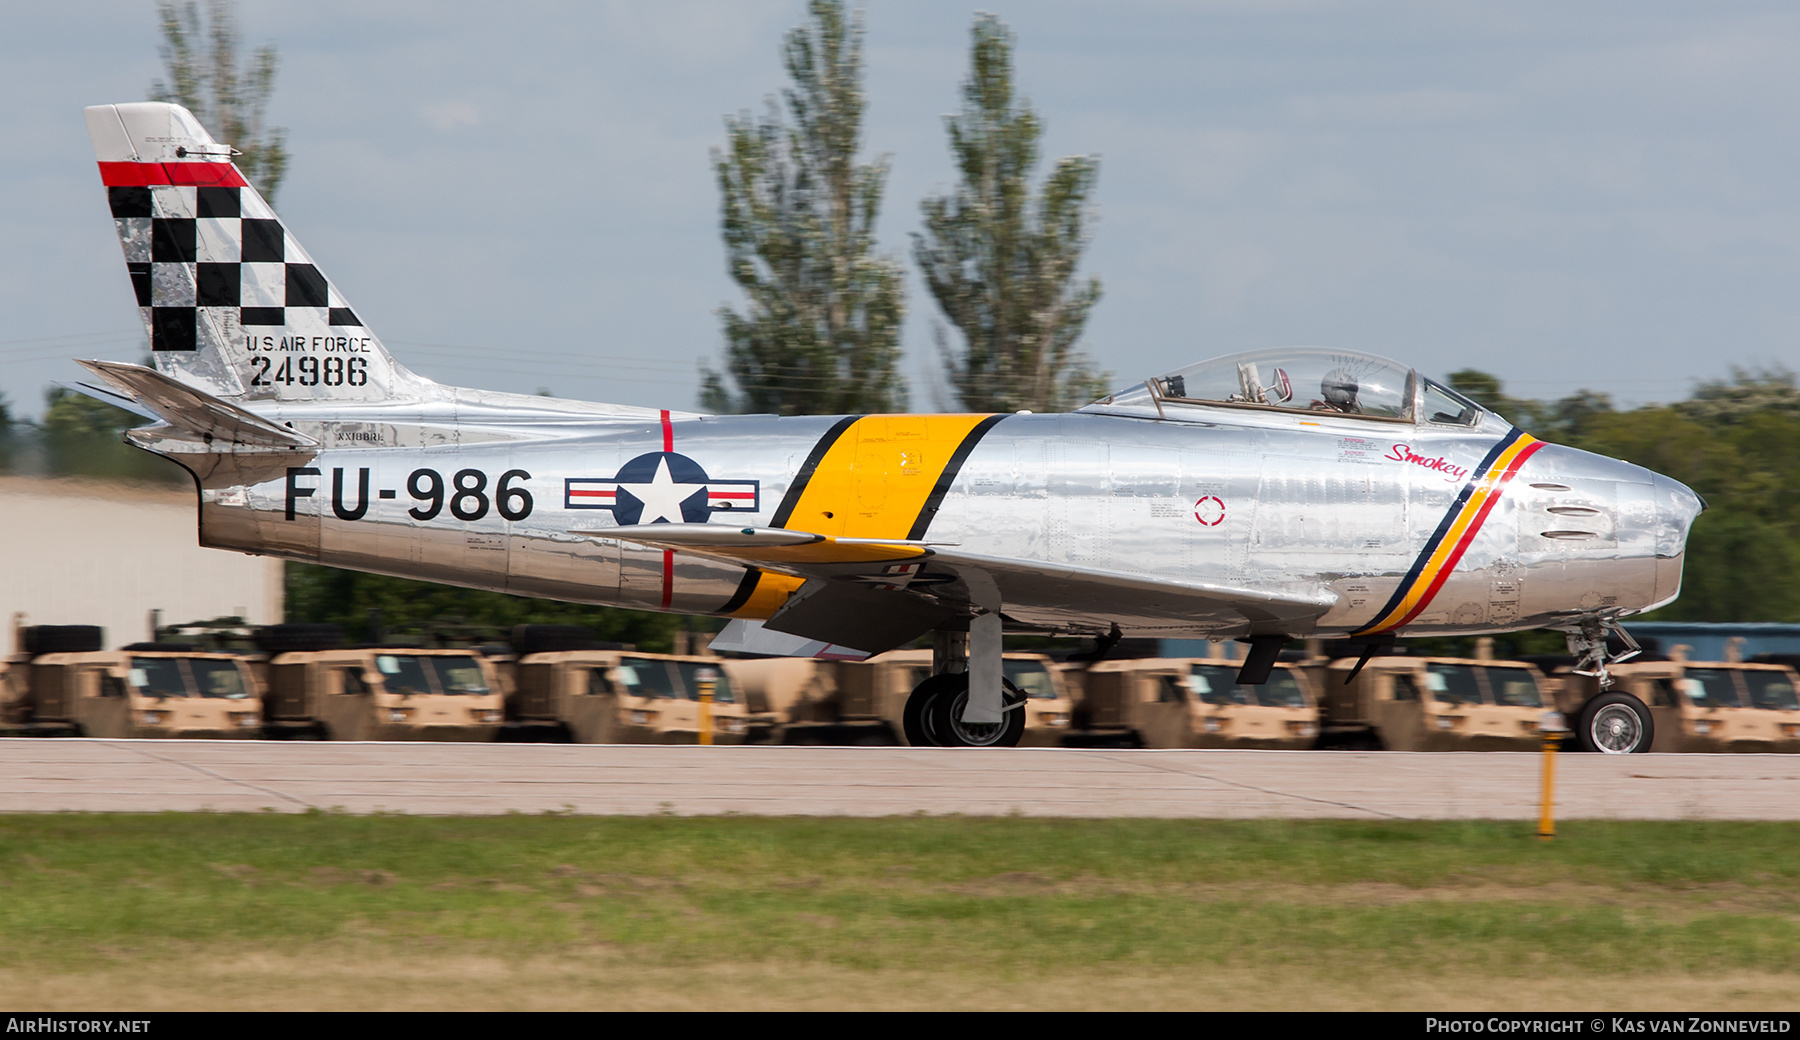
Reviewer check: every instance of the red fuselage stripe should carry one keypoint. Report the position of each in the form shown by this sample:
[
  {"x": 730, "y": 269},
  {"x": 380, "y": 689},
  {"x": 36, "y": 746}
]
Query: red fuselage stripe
[
  {"x": 1468, "y": 537},
  {"x": 668, "y": 589},
  {"x": 145, "y": 174}
]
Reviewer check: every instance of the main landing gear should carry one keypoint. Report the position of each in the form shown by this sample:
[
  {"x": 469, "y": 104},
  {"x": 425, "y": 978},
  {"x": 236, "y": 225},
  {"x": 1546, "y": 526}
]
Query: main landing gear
[
  {"x": 933, "y": 716},
  {"x": 940, "y": 712}
]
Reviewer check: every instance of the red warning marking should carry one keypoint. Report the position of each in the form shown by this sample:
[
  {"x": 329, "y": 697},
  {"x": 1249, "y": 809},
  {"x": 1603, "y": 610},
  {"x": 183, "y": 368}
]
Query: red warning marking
[
  {"x": 1210, "y": 511},
  {"x": 146, "y": 174}
]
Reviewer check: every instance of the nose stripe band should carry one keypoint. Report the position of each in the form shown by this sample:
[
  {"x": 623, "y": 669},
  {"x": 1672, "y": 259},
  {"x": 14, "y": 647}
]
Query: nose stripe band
[{"x": 1456, "y": 532}]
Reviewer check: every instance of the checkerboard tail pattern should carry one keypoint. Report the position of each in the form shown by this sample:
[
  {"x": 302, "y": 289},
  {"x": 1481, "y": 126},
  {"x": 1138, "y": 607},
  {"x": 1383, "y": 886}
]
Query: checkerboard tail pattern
[{"x": 231, "y": 301}]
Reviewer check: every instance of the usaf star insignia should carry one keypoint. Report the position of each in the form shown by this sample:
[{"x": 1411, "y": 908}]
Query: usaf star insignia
[{"x": 661, "y": 487}]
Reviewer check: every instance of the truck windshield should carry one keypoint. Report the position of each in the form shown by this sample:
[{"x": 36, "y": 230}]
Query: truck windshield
[
  {"x": 459, "y": 675},
  {"x": 1710, "y": 688},
  {"x": 402, "y": 674},
  {"x": 1452, "y": 683},
  {"x": 1217, "y": 684},
  {"x": 1772, "y": 690},
  {"x": 216, "y": 678},
  {"x": 1281, "y": 691},
  {"x": 1032, "y": 679},
  {"x": 690, "y": 677},
  {"x": 159, "y": 677},
  {"x": 1514, "y": 688},
  {"x": 644, "y": 677}
]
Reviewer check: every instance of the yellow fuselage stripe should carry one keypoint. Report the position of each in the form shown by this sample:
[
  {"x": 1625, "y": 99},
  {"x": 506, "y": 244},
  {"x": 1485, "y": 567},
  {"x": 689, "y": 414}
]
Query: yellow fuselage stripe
[
  {"x": 1448, "y": 548},
  {"x": 873, "y": 482}
]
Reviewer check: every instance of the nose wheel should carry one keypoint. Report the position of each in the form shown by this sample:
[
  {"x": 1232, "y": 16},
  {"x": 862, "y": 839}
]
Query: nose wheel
[
  {"x": 933, "y": 715},
  {"x": 1615, "y": 724}
]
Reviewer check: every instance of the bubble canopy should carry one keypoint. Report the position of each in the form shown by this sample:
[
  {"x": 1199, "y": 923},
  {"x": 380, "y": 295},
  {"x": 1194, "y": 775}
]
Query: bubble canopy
[{"x": 1306, "y": 379}]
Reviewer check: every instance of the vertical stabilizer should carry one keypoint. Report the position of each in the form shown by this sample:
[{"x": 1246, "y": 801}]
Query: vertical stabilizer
[{"x": 232, "y": 304}]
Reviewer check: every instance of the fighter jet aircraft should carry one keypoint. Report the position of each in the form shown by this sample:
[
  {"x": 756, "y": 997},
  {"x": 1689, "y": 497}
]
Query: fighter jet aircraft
[{"x": 1257, "y": 497}]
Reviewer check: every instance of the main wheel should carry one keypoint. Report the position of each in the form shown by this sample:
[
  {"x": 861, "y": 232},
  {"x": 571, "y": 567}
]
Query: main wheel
[
  {"x": 946, "y": 726},
  {"x": 1615, "y": 724},
  {"x": 916, "y": 719}
]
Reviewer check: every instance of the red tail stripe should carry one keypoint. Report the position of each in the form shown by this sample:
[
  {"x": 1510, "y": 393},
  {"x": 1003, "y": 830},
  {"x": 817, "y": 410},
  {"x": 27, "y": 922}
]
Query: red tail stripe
[
  {"x": 668, "y": 432},
  {"x": 145, "y": 174}
]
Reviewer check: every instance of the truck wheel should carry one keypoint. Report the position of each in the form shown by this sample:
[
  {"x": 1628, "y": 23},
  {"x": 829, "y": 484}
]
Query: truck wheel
[
  {"x": 948, "y": 728},
  {"x": 916, "y": 719},
  {"x": 1615, "y": 724}
]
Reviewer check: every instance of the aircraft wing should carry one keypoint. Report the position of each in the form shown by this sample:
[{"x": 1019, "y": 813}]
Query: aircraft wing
[{"x": 876, "y": 594}]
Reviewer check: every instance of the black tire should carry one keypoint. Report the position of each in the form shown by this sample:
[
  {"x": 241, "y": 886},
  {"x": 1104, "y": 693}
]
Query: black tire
[
  {"x": 1615, "y": 724},
  {"x": 283, "y": 639},
  {"x": 944, "y": 719},
  {"x": 545, "y": 639},
  {"x": 63, "y": 639},
  {"x": 916, "y": 719}
]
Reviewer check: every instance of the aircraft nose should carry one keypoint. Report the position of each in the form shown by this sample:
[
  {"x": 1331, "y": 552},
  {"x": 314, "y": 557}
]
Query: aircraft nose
[{"x": 1676, "y": 507}]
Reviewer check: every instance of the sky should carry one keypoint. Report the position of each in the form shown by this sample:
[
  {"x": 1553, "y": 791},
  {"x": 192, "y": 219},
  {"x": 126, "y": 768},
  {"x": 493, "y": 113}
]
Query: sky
[{"x": 1572, "y": 196}]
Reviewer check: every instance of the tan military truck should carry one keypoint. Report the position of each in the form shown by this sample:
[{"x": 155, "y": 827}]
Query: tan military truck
[
  {"x": 864, "y": 702},
  {"x": 1701, "y": 706},
  {"x": 144, "y": 690},
  {"x": 383, "y": 693},
  {"x": 1198, "y": 703},
  {"x": 1400, "y": 703},
  {"x": 627, "y": 697}
]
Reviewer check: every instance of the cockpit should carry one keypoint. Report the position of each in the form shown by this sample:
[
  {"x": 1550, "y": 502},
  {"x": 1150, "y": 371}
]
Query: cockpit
[{"x": 1301, "y": 379}]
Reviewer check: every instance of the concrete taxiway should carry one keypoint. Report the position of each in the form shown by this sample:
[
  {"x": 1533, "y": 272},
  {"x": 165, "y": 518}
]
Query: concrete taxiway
[{"x": 61, "y": 775}]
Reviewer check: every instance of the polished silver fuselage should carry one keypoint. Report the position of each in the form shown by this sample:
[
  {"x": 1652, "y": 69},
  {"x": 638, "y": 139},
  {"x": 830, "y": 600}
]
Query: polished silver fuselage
[{"x": 1338, "y": 508}]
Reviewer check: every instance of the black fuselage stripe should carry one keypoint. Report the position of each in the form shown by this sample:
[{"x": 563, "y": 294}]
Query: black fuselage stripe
[
  {"x": 948, "y": 477},
  {"x": 1443, "y": 527},
  {"x": 798, "y": 487},
  {"x": 752, "y": 575}
]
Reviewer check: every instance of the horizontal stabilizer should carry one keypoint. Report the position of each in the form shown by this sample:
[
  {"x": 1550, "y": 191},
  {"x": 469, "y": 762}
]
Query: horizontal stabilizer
[
  {"x": 107, "y": 395},
  {"x": 219, "y": 424}
]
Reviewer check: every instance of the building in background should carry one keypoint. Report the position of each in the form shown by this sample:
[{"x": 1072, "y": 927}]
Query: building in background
[{"x": 83, "y": 552}]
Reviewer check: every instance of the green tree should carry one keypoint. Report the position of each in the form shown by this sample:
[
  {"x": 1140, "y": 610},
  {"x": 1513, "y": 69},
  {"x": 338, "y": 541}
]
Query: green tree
[
  {"x": 345, "y": 598},
  {"x": 82, "y": 437},
  {"x": 820, "y": 333},
  {"x": 1560, "y": 420},
  {"x": 1002, "y": 263},
  {"x": 200, "y": 56},
  {"x": 1748, "y": 392}
]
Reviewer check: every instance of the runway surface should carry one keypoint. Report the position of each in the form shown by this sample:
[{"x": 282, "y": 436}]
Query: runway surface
[{"x": 57, "y": 775}]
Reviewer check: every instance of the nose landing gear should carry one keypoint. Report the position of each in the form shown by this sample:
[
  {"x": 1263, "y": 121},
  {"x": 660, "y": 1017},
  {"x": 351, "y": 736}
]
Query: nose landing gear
[
  {"x": 1611, "y": 722},
  {"x": 1588, "y": 646}
]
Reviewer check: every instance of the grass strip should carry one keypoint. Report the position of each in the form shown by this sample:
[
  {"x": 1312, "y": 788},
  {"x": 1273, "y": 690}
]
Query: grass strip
[{"x": 84, "y": 892}]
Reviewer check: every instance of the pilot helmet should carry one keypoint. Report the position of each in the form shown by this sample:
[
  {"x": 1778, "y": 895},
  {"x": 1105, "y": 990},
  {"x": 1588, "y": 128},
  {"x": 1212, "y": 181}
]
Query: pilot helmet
[{"x": 1339, "y": 388}]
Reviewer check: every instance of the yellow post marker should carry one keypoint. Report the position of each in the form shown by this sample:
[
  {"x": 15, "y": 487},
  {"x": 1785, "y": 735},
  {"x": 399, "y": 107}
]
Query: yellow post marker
[
  {"x": 1551, "y": 727},
  {"x": 706, "y": 678}
]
